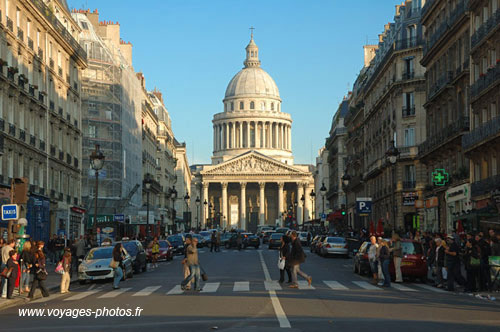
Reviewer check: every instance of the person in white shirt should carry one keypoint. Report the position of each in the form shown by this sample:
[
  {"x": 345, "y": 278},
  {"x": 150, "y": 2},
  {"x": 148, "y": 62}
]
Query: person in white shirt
[{"x": 372, "y": 258}]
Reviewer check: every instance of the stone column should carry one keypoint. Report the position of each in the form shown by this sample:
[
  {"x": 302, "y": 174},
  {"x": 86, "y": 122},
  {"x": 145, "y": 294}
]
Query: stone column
[
  {"x": 280, "y": 201},
  {"x": 243, "y": 206},
  {"x": 203, "y": 213},
  {"x": 309, "y": 202},
  {"x": 248, "y": 134},
  {"x": 300, "y": 207},
  {"x": 214, "y": 142},
  {"x": 241, "y": 135},
  {"x": 262, "y": 198},
  {"x": 233, "y": 134},
  {"x": 257, "y": 135},
  {"x": 224, "y": 204},
  {"x": 227, "y": 136},
  {"x": 290, "y": 138}
]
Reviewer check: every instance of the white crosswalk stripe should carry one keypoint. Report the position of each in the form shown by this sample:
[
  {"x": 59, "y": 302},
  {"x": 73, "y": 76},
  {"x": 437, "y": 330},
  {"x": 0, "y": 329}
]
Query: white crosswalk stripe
[
  {"x": 431, "y": 288},
  {"x": 241, "y": 286},
  {"x": 272, "y": 285},
  {"x": 146, "y": 291},
  {"x": 402, "y": 288},
  {"x": 335, "y": 285},
  {"x": 303, "y": 284},
  {"x": 175, "y": 291},
  {"x": 114, "y": 293},
  {"x": 366, "y": 285},
  {"x": 210, "y": 287},
  {"x": 82, "y": 295}
]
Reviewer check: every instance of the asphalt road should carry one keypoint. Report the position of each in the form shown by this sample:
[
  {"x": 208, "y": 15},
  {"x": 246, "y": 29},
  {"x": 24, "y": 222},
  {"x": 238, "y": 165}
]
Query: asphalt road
[{"x": 242, "y": 295}]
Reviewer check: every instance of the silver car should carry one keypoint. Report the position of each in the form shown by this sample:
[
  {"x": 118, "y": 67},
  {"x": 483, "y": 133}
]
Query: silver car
[
  {"x": 95, "y": 266},
  {"x": 333, "y": 245}
]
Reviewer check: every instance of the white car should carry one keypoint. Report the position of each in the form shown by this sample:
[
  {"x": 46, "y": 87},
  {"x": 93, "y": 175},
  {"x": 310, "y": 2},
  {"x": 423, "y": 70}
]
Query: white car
[
  {"x": 95, "y": 265},
  {"x": 334, "y": 245}
]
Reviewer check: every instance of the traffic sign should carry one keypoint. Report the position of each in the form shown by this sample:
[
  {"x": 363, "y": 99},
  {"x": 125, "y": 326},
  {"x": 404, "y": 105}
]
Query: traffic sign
[
  {"x": 10, "y": 212},
  {"x": 364, "y": 205}
]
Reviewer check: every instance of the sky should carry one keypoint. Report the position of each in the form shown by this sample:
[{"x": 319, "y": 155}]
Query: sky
[{"x": 190, "y": 50}]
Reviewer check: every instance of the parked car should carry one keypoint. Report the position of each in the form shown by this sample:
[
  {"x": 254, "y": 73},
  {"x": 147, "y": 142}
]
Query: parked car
[
  {"x": 207, "y": 235},
  {"x": 275, "y": 240},
  {"x": 361, "y": 265},
  {"x": 251, "y": 240},
  {"x": 303, "y": 238},
  {"x": 177, "y": 242},
  {"x": 282, "y": 230},
  {"x": 262, "y": 229},
  {"x": 166, "y": 252},
  {"x": 224, "y": 237},
  {"x": 201, "y": 240},
  {"x": 334, "y": 245},
  {"x": 95, "y": 265},
  {"x": 138, "y": 254},
  {"x": 267, "y": 235}
]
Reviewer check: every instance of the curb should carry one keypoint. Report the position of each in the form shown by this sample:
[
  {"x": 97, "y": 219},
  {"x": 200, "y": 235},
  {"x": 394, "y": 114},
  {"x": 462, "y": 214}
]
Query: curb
[{"x": 22, "y": 300}]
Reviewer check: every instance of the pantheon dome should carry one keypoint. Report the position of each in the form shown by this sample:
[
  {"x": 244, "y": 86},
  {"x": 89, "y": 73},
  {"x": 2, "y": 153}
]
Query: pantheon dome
[{"x": 252, "y": 117}]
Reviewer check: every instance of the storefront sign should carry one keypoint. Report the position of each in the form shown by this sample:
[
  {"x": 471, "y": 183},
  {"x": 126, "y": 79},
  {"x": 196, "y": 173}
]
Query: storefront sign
[
  {"x": 458, "y": 193},
  {"x": 78, "y": 210},
  {"x": 431, "y": 202},
  {"x": 409, "y": 199},
  {"x": 419, "y": 203}
]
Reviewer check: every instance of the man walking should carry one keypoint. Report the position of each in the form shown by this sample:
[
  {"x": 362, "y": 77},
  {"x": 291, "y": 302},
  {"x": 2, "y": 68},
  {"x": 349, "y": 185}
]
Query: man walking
[
  {"x": 185, "y": 266},
  {"x": 193, "y": 264},
  {"x": 213, "y": 242},
  {"x": 452, "y": 262},
  {"x": 297, "y": 257},
  {"x": 217, "y": 246},
  {"x": 6, "y": 249}
]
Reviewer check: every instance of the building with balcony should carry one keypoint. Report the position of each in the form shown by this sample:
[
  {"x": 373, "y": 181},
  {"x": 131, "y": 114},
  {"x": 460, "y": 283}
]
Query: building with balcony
[
  {"x": 446, "y": 59},
  {"x": 321, "y": 177},
  {"x": 41, "y": 63},
  {"x": 482, "y": 144}
]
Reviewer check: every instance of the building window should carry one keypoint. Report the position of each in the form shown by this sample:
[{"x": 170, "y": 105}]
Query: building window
[
  {"x": 272, "y": 106},
  {"x": 92, "y": 131},
  {"x": 241, "y": 105},
  {"x": 232, "y": 106},
  {"x": 252, "y": 105},
  {"x": 409, "y": 136}
]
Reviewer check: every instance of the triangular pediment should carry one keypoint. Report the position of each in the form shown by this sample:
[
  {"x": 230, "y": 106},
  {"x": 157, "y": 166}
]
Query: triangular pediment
[{"x": 252, "y": 163}]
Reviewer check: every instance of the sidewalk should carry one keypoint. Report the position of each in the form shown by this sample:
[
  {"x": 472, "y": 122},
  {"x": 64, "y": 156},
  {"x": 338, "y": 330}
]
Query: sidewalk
[{"x": 52, "y": 283}]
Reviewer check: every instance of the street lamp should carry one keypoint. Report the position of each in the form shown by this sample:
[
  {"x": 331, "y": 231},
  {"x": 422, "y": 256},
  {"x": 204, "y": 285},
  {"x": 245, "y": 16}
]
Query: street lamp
[
  {"x": 303, "y": 200},
  {"x": 205, "y": 203},
  {"x": 392, "y": 157},
  {"x": 97, "y": 163},
  {"x": 295, "y": 204},
  {"x": 198, "y": 202},
  {"x": 210, "y": 208},
  {"x": 322, "y": 190},
  {"x": 186, "y": 200},
  {"x": 147, "y": 183},
  {"x": 173, "y": 196},
  {"x": 313, "y": 197},
  {"x": 346, "y": 178}
]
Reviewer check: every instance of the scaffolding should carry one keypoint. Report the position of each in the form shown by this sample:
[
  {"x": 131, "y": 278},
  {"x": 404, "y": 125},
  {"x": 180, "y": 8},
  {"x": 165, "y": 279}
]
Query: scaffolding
[{"x": 111, "y": 117}]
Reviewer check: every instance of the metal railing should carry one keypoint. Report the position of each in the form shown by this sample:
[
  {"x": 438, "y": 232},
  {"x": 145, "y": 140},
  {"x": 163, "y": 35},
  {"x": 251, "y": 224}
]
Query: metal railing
[
  {"x": 22, "y": 135},
  {"x": 10, "y": 24},
  {"x": 481, "y": 133},
  {"x": 30, "y": 43},
  {"x": 40, "y": 53},
  {"x": 408, "y": 111},
  {"x": 51, "y": 63},
  {"x": 20, "y": 34},
  {"x": 409, "y": 184},
  {"x": 32, "y": 140},
  {"x": 12, "y": 129},
  {"x": 484, "y": 82},
  {"x": 455, "y": 128},
  {"x": 42, "y": 145},
  {"x": 485, "y": 29},
  {"x": 485, "y": 186},
  {"x": 408, "y": 75}
]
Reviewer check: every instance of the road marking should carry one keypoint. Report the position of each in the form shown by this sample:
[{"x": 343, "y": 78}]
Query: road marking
[
  {"x": 82, "y": 295},
  {"x": 201, "y": 251},
  {"x": 91, "y": 286},
  {"x": 146, "y": 291},
  {"x": 241, "y": 286},
  {"x": 304, "y": 285},
  {"x": 272, "y": 285},
  {"x": 402, "y": 288},
  {"x": 278, "y": 309},
  {"x": 113, "y": 293},
  {"x": 175, "y": 291},
  {"x": 335, "y": 285},
  {"x": 431, "y": 288},
  {"x": 210, "y": 287},
  {"x": 366, "y": 285}
]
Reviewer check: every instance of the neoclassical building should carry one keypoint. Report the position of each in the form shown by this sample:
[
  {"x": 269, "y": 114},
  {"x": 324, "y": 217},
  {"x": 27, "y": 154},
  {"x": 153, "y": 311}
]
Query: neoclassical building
[{"x": 252, "y": 179}]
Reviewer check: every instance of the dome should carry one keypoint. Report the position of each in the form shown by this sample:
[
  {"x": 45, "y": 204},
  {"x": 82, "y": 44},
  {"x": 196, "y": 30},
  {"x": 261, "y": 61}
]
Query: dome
[{"x": 250, "y": 82}]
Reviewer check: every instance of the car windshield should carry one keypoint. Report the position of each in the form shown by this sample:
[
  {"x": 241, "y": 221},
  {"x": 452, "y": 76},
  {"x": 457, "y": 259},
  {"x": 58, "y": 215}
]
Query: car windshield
[
  {"x": 100, "y": 253},
  {"x": 175, "y": 239},
  {"x": 205, "y": 233},
  {"x": 336, "y": 240},
  {"x": 131, "y": 247},
  {"x": 276, "y": 236},
  {"x": 164, "y": 244},
  {"x": 411, "y": 248}
]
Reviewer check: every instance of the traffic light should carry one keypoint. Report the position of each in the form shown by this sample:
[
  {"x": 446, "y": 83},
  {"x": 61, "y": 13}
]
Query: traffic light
[{"x": 342, "y": 210}]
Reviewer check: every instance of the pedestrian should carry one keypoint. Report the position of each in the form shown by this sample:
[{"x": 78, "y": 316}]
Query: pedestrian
[
  {"x": 239, "y": 240},
  {"x": 297, "y": 257},
  {"x": 439, "y": 263},
  {"x": 117, "y": 265},
  {"x": 431, "y": 257},
  {"x": 185, "y": 266},
  {"x": 385, "y": 258},
  {"x": 380, "y": 275},
  {"x": 472, "y": 263},
  {"x": 484, "y": 268},
  {"x": 26, "y": 263},
  {"x": 155, "y": 251},
  {"x": 12, "y": 266},
  {"x": 218, "y": 242},
  {"x": 66, "y": 265},
  {"x": 59, "y": 248},
  {"x": 452, "y": 262},
  {"x": 372, "y": 258},
  {"x": 6, "y": 249},
  {"x": 285, "y": 255},
  {"x": 39, "y": 271},
  {"x": 397, "y": 253},
  {"x": 213, "y": 242},
  {"x": 194, "y": 266},
  {"x": 495, "y": 245}
]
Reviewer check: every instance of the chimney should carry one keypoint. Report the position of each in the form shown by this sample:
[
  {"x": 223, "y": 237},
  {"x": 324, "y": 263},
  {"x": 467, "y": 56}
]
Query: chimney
[{"x": 369, "y": 53}]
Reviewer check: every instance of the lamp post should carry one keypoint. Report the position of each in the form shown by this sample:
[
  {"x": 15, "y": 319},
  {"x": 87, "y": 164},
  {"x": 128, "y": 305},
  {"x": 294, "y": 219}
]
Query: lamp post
[
  {"x": 147, "y": 183},
  {"x": 198, "y": 203},
  {"x": 322, "y": 190},
  {"x": 392, "y": 157},
  {"x": 173, "y": 196},
  {"x": 97, "y": 163},
  {"x": 205, "y": 203},
  {"x": 295, "y": 204},
  {"x": 210, "y": 208},
  {"x": 303, "y": 200},
  {"x": 346, "y": 178},
  {"x": 313, "y": 197},
  {"x": 186, "y": 200}
]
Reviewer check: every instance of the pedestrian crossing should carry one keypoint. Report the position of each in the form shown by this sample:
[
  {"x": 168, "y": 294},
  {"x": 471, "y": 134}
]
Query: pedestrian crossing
[{"x": 247, "y": 286}]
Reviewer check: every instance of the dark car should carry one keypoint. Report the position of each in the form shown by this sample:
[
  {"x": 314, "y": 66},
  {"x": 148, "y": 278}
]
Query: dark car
[
  {"x": 275, "y": 240},
  {"x": 166, "y": 251},
  {"x": 201, "y": 240},
  {"x": 224, "y": 238},
  {"x": 251, "y": 240},
  {"x": 267, "y": 235},
  {"x": 361, "y": 265},
  {"x": 207, "y": 235},
  {"x": 138, "y": 254},
  {"x": 177, "y": 243}
]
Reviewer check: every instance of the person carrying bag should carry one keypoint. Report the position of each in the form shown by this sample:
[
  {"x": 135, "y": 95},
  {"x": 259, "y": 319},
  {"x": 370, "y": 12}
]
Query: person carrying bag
[
  {"x": 39, "y": 272},
  {"x": 284, "y": 255}
]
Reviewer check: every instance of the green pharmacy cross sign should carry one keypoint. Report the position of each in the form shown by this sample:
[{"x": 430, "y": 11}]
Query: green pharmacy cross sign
[{"x": 440, "y": 177}]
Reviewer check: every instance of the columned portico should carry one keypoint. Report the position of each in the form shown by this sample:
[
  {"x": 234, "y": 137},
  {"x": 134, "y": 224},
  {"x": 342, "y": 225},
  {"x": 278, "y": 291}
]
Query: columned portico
[
  {"x": 204, "y": 207},
  {"x": 224, "y": 203},
  {"x": 300, "y": 207},
  {"x": 281, "y": 185},
  {"x": 243, "y": 206},
  {"x": 262, "y": 202}
]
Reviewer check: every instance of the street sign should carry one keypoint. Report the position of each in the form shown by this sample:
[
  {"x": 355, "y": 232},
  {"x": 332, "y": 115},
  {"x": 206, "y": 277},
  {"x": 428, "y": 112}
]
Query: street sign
[
  {"x": 10, "y": 212},
  {"x": 118, "y": 217},
  {"x": 364, "y": 205}
]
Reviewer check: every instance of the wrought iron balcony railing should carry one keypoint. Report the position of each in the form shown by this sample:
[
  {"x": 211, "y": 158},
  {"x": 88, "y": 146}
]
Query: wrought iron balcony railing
[
  {"x": 485, "y": 81},
  {"x": 439, "y": 138},
  {"x": 485, "y": 29},
  {"x": 485, "y": 186},
  {"x": 481, "y": 133}
]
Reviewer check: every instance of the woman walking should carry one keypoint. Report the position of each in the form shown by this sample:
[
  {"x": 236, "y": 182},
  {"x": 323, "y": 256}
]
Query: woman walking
[
  {"x": 385, "y": 259},
  {"x": 297, "y": 257},
  {"x": 39, "y": 272},
  {"x": 117, "y": 265},
  {"x": 12, "y": 266},
  {"x": 26, "y": 264},
  {"x": 66, "y": 276},
  {"x": 285, "y": 255},
  {"x": 397, "y": 253}
]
